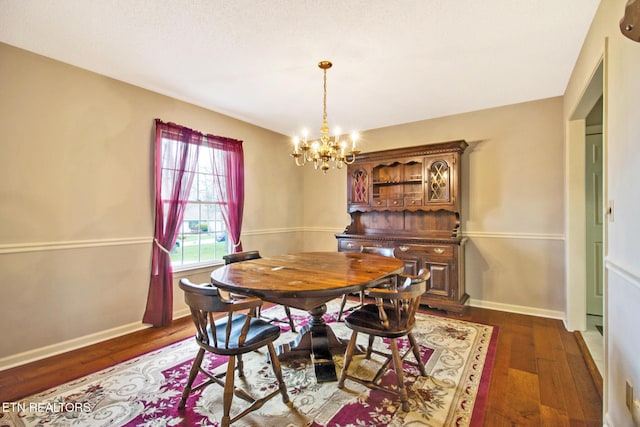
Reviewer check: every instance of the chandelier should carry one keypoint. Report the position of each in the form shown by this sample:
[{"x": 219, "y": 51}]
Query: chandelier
[{"x": 327, "y": 150}]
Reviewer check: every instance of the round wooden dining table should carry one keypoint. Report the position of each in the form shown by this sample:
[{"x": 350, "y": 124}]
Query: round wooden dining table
[{"x": 307, "y": 281}]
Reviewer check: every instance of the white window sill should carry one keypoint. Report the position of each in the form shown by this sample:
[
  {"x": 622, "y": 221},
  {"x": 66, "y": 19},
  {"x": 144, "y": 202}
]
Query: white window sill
[{"x": 192, "y": 268}]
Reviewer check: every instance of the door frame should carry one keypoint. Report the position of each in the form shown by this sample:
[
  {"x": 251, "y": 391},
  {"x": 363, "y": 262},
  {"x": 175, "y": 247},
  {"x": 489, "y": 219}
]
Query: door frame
[{"x": 575, "y": 222}]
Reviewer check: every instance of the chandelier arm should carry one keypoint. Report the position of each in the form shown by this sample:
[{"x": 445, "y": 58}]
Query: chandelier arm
[{"x": 353, "y": 158}]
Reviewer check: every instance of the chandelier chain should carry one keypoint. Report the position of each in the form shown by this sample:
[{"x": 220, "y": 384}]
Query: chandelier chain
[{"x": 324, "y": 100}]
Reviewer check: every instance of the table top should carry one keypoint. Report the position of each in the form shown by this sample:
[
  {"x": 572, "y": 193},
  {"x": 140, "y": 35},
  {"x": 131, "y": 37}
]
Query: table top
[{"x": 305, "y": 280}]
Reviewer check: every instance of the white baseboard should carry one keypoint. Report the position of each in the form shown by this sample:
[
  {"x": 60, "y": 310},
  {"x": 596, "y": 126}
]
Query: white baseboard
[
  {"x": 64, "y": 346},
  {"x": 181, "y": 313},
  {"x": 519, "y": 309},
  {"x": 607, "y": 421},
  {"x": 76, "y": 343}
]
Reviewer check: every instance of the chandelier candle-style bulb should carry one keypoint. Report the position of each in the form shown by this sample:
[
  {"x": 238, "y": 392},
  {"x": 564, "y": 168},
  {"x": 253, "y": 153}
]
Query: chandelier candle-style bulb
[{"x": 326, "y": 150}]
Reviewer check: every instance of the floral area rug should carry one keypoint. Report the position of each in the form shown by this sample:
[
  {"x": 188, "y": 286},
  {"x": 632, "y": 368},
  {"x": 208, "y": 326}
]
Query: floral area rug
[{"x": 145, "y": 391}]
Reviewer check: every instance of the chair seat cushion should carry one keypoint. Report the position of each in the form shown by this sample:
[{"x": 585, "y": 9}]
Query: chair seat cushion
[
  {"x": 260, "y": 333},
  {"x": 367, "y": 319}
]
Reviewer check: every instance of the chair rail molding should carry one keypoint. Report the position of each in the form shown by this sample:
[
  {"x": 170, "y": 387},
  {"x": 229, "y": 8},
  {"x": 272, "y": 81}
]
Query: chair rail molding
[
  {"x": 332, "y": 230},
  {"x": 12, "y": 248},
  {"x": 633, "y": 277},
  {"x": 258, "y": 232},
  {"x": 512, "y": 235}
]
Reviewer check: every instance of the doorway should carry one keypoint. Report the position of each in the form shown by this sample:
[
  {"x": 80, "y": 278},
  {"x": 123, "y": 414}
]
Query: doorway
[
  {"x": 594, "y": 210},
  {"x": 594, "y": 235}
]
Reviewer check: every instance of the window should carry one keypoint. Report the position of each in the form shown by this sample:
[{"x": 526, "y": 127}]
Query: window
[
  {"x": 216, "y": 165},
  {"x": 202, "y": 236}
]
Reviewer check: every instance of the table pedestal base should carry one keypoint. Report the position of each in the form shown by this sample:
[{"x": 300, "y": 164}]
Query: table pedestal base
[{"x": 315, "y": 340}]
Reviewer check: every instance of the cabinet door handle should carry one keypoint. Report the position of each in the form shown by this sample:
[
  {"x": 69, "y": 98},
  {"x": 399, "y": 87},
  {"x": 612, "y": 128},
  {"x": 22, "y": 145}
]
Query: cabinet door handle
[
  {"x": 403, "y": 248},
  {"x": 438, "y": 250}
]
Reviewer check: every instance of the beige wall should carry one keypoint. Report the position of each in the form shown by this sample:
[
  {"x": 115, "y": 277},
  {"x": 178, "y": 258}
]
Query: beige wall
[
  {"x": 76, "y": 211},
  {"x": 87, "y": 232},
  {"x": 76, "y": 218},
  {"x": 325, "y": 208},
  {"x": 512, "y": 187},
  {"x": 622, "y": 166}
]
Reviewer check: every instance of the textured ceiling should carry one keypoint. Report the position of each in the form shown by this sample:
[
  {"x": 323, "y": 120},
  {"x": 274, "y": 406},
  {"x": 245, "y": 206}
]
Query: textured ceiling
[{"x": 395, "y": 61}]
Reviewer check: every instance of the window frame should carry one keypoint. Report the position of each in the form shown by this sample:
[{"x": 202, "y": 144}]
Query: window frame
[{"x": 203, "y": 170}]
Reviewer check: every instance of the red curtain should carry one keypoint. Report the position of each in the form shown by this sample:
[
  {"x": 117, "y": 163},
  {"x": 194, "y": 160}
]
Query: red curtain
[
  {"x": 176, "y": 160},
  {"x": 227, "y": 164}
]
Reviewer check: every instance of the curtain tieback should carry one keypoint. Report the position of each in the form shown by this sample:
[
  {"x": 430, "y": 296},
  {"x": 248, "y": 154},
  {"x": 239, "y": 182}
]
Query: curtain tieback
[
  {"x": 235, "y": 245},
  {"x": 162, "y": 248}
]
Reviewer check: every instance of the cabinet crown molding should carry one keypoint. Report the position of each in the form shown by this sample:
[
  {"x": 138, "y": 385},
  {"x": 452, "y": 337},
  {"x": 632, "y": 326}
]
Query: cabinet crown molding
[{"x": 457, "y": 146}]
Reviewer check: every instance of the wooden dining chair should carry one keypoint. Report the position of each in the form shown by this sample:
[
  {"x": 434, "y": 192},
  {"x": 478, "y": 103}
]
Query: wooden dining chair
[
  {"x": 388, "y": 252},
  {"x": 231, "y": 334},
  {"x": 249, "y": 255},
  {"x": 392, "y": 317}
]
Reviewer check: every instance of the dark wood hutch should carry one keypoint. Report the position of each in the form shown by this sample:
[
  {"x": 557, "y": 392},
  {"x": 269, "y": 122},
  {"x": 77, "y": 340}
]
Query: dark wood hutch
[{"x": 409, "y": 199}]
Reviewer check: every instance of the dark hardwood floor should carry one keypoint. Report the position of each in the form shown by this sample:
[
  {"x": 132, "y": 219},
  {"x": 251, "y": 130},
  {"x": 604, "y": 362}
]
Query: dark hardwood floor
[{"x": 540, "y": 377}]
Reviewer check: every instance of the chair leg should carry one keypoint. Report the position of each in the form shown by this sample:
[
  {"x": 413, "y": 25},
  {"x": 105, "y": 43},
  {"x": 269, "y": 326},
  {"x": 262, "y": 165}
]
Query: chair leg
[
  {"x": 397, "y": 366},
  {"x": 227, "y": 396},
  {"x": 348, "y": 356},
  {"x": 416, "y": 354},
  {"x": 342, "y": 304},
  {"x": 192, "y": 376},
  {"x": 370, "y": 347},
  {"x": 288, "y": 311},
  {"x": 277, "y": 370},
  {"x": 240, "y": 366}
]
